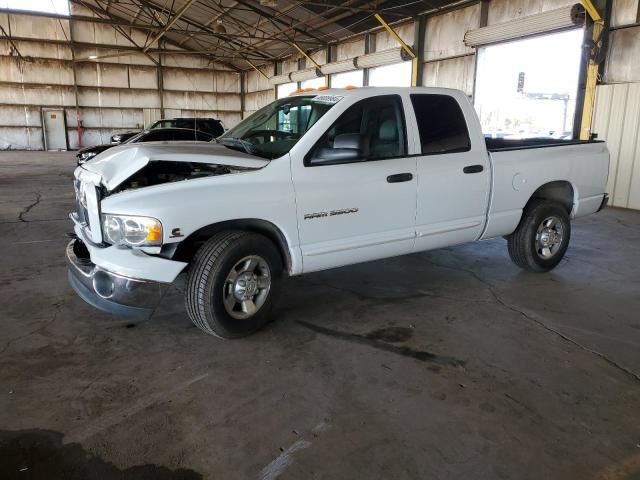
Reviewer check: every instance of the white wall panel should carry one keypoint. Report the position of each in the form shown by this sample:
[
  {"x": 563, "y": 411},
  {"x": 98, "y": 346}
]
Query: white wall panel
[
  {"x": 201, "y": 101},
  {"x": 102, "y": 75},
  {"x": 384, "y": 41},
  {"x": 453, "y": 73},
  {"x": 624, "y": 12},
  {"x": 256, "y": 82},
  {"x": 191, "y": 61},
  {"x": 142, "y": 77},
  {"x": 50, "y": 72},
  {"x": 350, "y": 49},
  {"x": 44, "y": 96},
  {"x": 229, "y": 119},
  {"x": 624, "y": 52},
  {"x": 37, "y": 49},
  {"x": 188, "y": 80},
  {"x": 20, "y": 138},
  {"x": 103, "y": 97},
  {"x": 226, "y": 82},
  {"x": 617, "y": 120},
  {"x": 20, "y": 116},
  {"x": 289, "y": 65},
  {"x": 29, "y": 26},
  {"x": 88, "y": 32},
  {"x": 255, "y": 100},
  {"x": 505, "y": 10},
  {"x": 113, "y": 56},
  {"x": 108, "y": 117},
  {"x": 319, "y": 56},
  {"x": 444, "y": 34}
]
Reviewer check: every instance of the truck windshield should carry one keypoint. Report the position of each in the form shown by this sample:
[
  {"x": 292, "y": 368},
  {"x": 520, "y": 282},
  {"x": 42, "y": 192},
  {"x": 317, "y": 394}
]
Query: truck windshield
[{"x": 273, "y": 130}]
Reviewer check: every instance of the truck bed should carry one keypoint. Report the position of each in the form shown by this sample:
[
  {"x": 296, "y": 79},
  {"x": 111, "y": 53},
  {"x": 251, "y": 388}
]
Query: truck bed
[{"x": 502, "y": 144}]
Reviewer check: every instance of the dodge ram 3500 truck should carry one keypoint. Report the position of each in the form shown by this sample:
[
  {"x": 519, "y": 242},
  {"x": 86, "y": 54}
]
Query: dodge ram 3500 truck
[{"x": 315, "y": 181}]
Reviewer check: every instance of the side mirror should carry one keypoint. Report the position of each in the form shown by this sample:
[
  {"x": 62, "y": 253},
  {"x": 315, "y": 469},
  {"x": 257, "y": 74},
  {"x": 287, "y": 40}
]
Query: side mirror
[{"x": 346, "y": 148}]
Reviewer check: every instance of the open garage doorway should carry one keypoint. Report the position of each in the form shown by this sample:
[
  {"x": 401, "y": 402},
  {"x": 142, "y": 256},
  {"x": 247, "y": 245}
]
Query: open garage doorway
[{"x": 528, "y": 88}]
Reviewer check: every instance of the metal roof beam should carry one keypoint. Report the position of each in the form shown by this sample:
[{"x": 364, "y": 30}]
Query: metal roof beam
[
  {"x": 239, "y": 45},
  {"x": 169, "y": 23}
]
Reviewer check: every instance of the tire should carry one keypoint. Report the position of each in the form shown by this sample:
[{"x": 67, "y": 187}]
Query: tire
[
  {"x": 544, "y": 224},
  {"x": 216, "y": 277}
]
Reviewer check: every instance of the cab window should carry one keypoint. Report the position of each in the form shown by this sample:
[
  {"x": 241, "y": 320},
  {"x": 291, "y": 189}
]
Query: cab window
[
  {"x": 372, "y": 129},
  {"x": 441, "y": 123}
]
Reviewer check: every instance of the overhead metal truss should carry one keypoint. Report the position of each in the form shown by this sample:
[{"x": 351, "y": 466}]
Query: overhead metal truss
[{"x": 241, "y": 34}]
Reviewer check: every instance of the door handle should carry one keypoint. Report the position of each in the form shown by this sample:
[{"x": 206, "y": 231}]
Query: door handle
[
  {"x": 399, "y": 177},
  {"x": 473, "y": 169}
]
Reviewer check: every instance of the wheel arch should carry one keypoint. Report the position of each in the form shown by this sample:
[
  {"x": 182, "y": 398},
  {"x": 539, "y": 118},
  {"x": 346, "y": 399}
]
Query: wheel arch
[
  {"x": 560, "y": 191},
  {"x": 187, "y": 248}
]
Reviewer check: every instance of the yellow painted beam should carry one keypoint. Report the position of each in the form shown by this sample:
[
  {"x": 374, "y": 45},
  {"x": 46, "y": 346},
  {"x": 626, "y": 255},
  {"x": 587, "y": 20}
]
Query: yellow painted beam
[
  {"x": 397, "y": 38},
  {"x": 591, "y": 10},
  {"x": 295, "y": 45},
  {"x": 592, "y": 73},
  {"x": 414, "y": 58},
  {"x": 257, "y": 69},
  {"x": 590, "y": 88}
]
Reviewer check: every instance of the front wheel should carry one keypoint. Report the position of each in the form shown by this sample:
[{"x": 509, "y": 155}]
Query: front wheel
[
  {"x": 232, "y": 283},
  {"x": 542, "y": 237}
]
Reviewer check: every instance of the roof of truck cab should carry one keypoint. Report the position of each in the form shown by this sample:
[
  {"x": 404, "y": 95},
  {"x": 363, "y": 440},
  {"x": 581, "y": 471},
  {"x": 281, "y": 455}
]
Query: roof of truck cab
[{"x": 362, "y": 92}]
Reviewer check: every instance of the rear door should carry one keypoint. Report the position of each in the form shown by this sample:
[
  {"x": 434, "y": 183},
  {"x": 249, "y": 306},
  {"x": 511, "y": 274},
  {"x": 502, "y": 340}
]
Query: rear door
[
  {"x": 356, "y": 189},
  {"x": 453, "y": 172}
]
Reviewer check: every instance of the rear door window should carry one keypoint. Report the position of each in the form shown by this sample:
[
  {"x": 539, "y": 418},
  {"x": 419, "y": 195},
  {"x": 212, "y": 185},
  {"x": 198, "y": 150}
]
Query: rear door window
[{"x": 441, "y": 123}]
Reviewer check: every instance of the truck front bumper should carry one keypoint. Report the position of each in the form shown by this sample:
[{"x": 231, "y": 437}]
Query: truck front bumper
[{"x": 109, "y": 291}]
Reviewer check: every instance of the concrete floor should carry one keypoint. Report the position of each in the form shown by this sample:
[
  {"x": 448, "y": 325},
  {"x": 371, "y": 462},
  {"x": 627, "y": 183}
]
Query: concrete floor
[{"x": 452, "y": 364}]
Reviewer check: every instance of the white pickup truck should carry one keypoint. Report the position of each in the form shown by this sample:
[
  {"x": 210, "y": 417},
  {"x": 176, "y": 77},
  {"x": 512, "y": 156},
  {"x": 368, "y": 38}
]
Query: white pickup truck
[{"x": 318, "y": 180}]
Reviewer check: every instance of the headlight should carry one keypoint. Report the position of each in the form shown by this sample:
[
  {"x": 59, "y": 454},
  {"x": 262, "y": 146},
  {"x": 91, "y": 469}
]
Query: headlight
[
  {"x": 132, "y": 231},
  {"x": 86, "y": 156}
]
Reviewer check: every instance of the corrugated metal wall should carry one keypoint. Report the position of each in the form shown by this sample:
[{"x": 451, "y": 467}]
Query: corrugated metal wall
[
  {"x": 617, "y": 120},
  {"x": 113, "y": 94},
  {"x": 617, "y": 111}
]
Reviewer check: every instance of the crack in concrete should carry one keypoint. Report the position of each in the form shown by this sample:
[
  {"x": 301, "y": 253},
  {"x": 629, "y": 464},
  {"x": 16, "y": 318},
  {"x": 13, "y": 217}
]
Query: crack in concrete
[
  {"x": 28, "y": 208},
  {"x": 539, "y": 322},
  {"x": 40, "y": 328}
]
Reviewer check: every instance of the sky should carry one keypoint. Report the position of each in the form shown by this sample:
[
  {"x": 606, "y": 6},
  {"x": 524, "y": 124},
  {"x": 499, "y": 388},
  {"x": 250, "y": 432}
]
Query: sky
[
  {"x": 550, "y": 65},
  {"x": 49, "y": 6}
]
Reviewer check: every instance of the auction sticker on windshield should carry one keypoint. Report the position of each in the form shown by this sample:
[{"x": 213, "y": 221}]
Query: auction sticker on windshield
[{"x": 327, "y": 99}]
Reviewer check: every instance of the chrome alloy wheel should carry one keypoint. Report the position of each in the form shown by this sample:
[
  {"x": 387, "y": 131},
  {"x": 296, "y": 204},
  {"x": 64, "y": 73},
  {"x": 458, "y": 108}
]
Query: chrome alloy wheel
[
  {"x": 246, "y": 287},
  {"x": 549, "y": 237}
]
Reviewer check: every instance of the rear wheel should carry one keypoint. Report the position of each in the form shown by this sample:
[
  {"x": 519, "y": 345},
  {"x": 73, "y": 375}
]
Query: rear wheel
[
  {"x": 232, "y": 283},
  {"x": 542, "y": 237}
]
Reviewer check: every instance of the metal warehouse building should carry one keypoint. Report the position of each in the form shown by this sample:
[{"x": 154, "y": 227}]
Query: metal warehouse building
[{"x": 446, "y": 363}]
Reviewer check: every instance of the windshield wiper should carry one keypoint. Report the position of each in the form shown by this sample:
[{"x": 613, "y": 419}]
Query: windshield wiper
[{"x": 238, "y": 142}]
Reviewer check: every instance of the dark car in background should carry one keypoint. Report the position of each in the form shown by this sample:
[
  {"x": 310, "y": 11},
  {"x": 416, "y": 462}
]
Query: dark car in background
[
  {"x": 208, "y": 125},
  {"x": 156, "y": 135}
]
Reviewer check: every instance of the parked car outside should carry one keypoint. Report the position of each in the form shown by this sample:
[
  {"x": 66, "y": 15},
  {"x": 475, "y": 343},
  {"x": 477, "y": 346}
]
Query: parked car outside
[
  {"x": 157, "y": 135},
  {"x": 208, "y": 125}
]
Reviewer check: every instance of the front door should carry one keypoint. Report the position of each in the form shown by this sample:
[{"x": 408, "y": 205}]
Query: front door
[
  {"x": 356, "y": 191},
  {"x": 55, "y": 129},
  {"x": 454, "y": 177}
]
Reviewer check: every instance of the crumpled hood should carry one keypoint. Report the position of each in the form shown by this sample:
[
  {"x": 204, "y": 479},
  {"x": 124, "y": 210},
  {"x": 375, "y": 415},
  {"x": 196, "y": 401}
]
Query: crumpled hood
[{"x": 117, "y": 164}]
